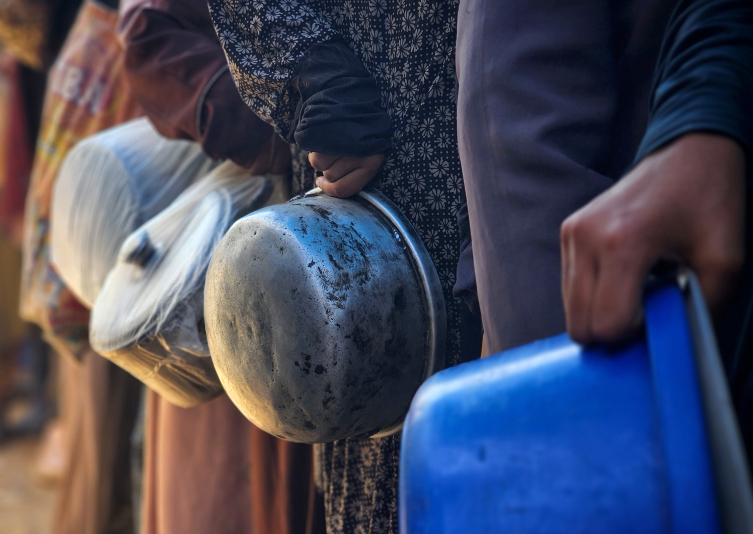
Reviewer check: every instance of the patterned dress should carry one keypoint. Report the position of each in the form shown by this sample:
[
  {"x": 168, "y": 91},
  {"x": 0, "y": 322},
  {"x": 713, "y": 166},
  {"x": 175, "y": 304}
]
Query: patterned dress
[{"x": 408, "y": 46}]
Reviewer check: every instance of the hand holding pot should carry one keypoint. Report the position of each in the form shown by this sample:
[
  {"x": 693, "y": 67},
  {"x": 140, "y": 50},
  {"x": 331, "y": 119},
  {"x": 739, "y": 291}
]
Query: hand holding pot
[{"x": 344, "y": 176}]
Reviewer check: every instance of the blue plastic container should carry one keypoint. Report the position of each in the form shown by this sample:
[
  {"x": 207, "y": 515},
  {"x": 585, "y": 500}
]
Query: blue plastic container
[{"x": 556, "y": 438}]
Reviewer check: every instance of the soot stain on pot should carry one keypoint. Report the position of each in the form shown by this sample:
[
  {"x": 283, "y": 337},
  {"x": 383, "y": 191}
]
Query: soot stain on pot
[
  {"x": 353, "y": 263},
  {"x": 304, "y": 227},
  {"x": 360, "y": 339},
  {"x": 334, "y": 261},
  {"x": 400, "y": 301},
  {"x": 321, "y": 211},
  {"x": 336, "y": 288},
  {"x": 303, "y": 368}
]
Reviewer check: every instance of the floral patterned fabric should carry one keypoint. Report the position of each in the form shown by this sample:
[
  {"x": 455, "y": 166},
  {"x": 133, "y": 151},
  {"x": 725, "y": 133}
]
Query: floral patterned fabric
[{"x": 408, "y": 46}]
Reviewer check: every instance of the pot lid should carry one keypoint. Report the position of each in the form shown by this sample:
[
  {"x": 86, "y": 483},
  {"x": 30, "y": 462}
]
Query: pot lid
[{"x": 156, "y": 286}]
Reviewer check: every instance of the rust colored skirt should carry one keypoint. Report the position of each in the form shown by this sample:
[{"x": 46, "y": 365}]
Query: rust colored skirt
[
  {"x": 98, "y": 406},
  {"x": 207, "y": 469}
]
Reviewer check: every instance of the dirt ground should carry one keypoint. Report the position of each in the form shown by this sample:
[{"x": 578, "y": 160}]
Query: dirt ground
[{"x": 26, "y": 503}]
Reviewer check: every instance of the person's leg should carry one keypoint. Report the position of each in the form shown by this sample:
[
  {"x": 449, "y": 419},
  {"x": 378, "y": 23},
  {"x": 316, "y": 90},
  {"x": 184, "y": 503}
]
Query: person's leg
[
  {"x": 100, "y": 402},
  {"x": 197, "y": 476},
  {"x": 284, "y": 497}
]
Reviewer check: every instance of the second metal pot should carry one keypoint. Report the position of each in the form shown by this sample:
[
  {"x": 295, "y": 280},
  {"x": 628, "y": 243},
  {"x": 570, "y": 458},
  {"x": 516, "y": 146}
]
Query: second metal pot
[{"x": 324, "y": 316}]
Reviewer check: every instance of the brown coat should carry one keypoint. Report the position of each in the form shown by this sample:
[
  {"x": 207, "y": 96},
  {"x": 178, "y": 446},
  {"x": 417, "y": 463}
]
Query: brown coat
[{"x": 178, "y": 72}]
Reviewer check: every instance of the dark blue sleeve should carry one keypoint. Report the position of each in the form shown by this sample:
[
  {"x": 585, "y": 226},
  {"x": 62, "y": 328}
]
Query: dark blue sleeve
[
  {"x": 340, "y": 110},
  {"x": 704, "y": 77}
]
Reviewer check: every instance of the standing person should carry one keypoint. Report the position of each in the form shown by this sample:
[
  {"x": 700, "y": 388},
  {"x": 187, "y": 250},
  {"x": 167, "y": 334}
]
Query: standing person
[
  {"x": 365, "y": 89},
  {"x": 685, "y": 199},
  {"x": 552, "y": 103},
  {"x": 209, "y": 459},
  {"x": 86, "y": 93}
]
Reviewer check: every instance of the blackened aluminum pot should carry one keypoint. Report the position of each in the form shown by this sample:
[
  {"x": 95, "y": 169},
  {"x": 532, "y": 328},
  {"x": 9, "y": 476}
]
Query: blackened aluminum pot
[{"x": 324, "y": 316}]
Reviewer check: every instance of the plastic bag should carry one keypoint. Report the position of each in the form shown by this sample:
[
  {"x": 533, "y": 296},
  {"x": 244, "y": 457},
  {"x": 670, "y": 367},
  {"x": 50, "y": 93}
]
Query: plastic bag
[
  {"x": 149, "y": 316},
  {"x": 108, "y": 186}
]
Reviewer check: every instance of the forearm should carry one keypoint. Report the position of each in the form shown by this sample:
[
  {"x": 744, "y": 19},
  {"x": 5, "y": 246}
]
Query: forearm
[
  {"x": 179, "y": 74},
  {"x": 264, "y": 51},
  {"x": 317, "y": 94},
  {"x": 704, "y": 78}
]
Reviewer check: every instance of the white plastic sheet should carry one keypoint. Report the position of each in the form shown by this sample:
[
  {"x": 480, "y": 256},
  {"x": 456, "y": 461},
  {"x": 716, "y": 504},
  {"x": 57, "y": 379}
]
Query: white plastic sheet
[
  {"x": 149, "y": 316},
  {"x": 109, "y": 185}
]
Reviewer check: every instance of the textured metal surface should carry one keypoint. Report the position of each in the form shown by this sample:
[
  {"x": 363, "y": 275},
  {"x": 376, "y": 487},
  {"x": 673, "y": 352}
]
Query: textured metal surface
[{"x": 324, "y": 316}]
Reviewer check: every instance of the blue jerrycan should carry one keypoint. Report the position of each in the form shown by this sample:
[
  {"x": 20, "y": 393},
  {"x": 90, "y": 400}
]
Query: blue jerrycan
[{"x": 553, "y": 437}]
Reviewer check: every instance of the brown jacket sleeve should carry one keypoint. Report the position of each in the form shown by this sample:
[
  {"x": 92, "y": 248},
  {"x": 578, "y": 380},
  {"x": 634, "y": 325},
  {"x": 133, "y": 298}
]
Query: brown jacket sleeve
[{"x": 178, "y": 72}]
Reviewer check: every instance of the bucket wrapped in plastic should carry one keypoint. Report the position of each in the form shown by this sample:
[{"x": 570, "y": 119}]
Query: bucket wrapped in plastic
[
  {"x": 149, "y": 316},
  {"x": 108, "y": 186}
]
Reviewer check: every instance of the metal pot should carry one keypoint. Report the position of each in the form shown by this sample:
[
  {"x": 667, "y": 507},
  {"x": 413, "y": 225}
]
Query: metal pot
[
  {"x": 324, "y": 316},
  {"x": 108, "y": 186},
  {"x": 148, "y": 318}
]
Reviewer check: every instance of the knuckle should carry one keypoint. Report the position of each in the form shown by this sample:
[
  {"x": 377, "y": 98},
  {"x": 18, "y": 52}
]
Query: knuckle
[
  {"x": 567, "y": 228},
  {"x": 720, "y": 263},
  {"x": 320, "y": 162},
  {"x": 615, "y": 237},
  {"x": 610, "y": 326},
  {"x": 339, "y": 189},
  {"x": 612, "y": 234},
  {"x": 579, "y": 229}
]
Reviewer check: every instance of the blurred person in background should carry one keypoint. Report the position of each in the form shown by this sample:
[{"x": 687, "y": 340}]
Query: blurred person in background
[
  {"x": 23, "y": 408},
  {"x": 86, "y": 93},
  {"x": 207, "y": 468},
  {"x": 31, "y": 35}
]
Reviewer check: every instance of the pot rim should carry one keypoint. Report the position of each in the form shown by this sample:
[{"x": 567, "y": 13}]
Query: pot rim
[{"x": 424, "y": 266}]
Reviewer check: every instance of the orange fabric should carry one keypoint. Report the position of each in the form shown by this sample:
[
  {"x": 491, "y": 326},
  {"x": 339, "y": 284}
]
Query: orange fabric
[{"x": 87, "y": 92}]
